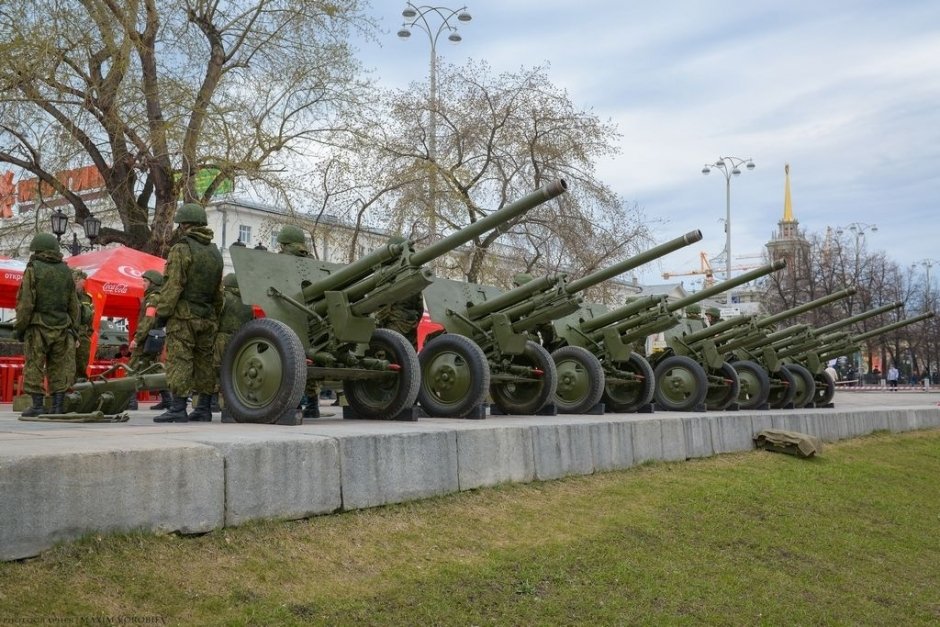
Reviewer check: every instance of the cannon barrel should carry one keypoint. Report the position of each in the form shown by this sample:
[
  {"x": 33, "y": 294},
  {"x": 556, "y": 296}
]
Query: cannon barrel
[
  {"x": 813, "y": 304},
  {"x": 630, "y": 309},
  {"x": 513, "y": 296},
  {"x": 719, "y": 328},
  {"x": 490, "y": 222},
  {"x": 633, "y": 262},
  {"x": 858, "y": 318},
  {"x": 828, "y": 352},
  {"x": 718, "y": 288}
]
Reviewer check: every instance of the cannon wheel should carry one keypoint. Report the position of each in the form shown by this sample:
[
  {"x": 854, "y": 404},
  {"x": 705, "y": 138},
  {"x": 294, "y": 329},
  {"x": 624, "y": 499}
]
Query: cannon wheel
[
  {"x": 580, "y": 380},
  {"x": 783, "y": 395},
  {"x": 386, "y": 398},
  {"x": 805, "y": 385},
  {"x": 525, "y": 397},
  {"x": 681, "y": 384},
  {"x": 455, "y": 376},
  {"x": 263, "y": 372},
  {"x": 630, "y": 397},
  {"x": 753, "y": 382},
  {"x": 825, "y": 389},
  {"x": 720, "y": 396}
]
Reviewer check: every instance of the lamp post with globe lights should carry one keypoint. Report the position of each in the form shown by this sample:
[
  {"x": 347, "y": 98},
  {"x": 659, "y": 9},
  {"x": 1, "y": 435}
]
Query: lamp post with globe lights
[
  {"x": 418, "y": 17},
  {"x": 729, "y": 166}
]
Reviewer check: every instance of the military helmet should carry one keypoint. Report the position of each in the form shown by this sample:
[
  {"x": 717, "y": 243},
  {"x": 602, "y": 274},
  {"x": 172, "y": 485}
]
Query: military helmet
[
  {"x": 154, "y": 277},
  {"x": 693, "y": 310},
  {"x": 230, "y": 280},
  {"x": 191, "y": 213},
  {"x": 290, "y": 234},
  {"x": 713, "y": 311},
  {"x": 44, "y": 242}
]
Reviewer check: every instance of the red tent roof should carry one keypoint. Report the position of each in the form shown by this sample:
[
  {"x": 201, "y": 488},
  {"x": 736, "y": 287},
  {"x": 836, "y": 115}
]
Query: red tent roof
[{"x": 11, "y": 275}]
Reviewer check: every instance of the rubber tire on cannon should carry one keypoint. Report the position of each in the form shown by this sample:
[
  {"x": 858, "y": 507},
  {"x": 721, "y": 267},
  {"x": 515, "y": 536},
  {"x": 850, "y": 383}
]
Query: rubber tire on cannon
[
  {"x": 780, "y": 399},
  {"x": 681, "y": 384},
  {"x": 825, "y": 389},
  {"x": 455, "y": 376},
  {"x": 721, "y": 397},
  {"x": 805, "y": 385},
  {"x": 753, "y": 384},
  {"x": 387, "y": 397},
  {"x": 580, "y": 380},
  {"x": 630, "y": 397},
  {"x": 263, "y": 371},
  {"x": 527, "y": 397}
]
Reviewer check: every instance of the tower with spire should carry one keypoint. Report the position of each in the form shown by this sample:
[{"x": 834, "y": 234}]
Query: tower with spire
[{"x": 788, "y": 242}]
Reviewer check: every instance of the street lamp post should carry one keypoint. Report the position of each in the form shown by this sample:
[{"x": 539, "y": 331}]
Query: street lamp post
[
  {"x": 859, "y": 229},
  {"x": 60, "y": 223},
  {"x": 417, "y": 17},
  {"x": 729, "y": 166}
]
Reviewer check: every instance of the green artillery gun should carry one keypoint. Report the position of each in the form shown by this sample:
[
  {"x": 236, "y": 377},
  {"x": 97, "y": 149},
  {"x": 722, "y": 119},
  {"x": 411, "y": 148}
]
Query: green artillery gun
[
  {"x": 616, "y": 338},
  {"x": 488, "y": 343},
  {"x": 746, "y": 342},
  {"x": 829, "y": 345},
  {"x": 321, "y": 312}
]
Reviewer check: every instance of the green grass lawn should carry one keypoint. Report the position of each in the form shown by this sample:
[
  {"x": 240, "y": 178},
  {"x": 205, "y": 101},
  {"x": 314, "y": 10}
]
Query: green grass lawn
[{"x": 851, "y": 537}]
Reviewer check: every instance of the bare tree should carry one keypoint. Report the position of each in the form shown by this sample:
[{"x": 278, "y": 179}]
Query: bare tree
[{"x": 153, "y": 93}]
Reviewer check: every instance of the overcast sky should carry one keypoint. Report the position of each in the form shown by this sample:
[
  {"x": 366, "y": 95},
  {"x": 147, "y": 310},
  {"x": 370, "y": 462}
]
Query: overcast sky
[{"x": 845, "y": 91}]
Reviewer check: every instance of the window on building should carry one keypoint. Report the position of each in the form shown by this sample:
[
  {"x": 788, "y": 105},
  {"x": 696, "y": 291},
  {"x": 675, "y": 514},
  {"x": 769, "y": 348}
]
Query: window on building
[
  {"x": 274, "y": 244},
  {"x": 244, "y": 234}
]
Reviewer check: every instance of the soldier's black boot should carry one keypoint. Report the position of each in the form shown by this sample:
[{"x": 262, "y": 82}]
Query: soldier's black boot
[
  {"x": 202, "y": 412},
  {"x": 176, "y": 411},
  {"x": 58, "y": 403},
  {"x": 37, "y": 407},
  {"x": 165, "y": 400},
  {"x": 132, "y": 404},
  {"x": 312, "y": 410},
  {"x": 214, "y": 405}
]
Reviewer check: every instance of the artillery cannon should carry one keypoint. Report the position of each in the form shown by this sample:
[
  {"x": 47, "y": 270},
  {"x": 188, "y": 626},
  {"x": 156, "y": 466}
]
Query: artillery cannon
[
  {"x": 317, "y": 324},
  {"x": 489, "y": 335},
  {"x": 614, "y": 337}
]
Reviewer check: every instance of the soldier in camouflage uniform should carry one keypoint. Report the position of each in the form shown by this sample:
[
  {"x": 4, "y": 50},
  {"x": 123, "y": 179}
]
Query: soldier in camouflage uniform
[
  {"x": 189, "y": 306},
  {"x": 86, "y": 314},
  {"x": 292, "y": 242},
  {"x": 146, "y": 320},
  {"x": 234, "y": 314},
  {"x": 713, "y": 315},
  {"x": 47, "y": 320}
]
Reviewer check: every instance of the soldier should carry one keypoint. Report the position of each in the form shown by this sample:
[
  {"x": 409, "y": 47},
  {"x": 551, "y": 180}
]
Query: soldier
[
  {"x": 47, "y": 321},
  {"x": 292, "y": 242},
  {"x": 713, "y": 315},
  {"x": 145, "y": 353},
  {"x": 234, "y": 315},
  {"x": 86, "y": 314},
  {"x": 189, "y": 306}
]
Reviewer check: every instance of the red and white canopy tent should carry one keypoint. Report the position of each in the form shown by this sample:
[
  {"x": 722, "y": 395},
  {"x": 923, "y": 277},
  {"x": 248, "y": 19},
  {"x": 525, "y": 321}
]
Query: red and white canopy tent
[{"x": 115, "y": 283}]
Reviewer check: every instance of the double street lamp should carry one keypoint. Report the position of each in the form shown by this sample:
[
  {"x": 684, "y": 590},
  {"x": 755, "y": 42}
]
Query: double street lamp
[
  {"x": 60, "y": 223},
  {"x": 859, "y": 229},
  {"x": 729, "y": 166},
  {"x": 417, "y": 17}
]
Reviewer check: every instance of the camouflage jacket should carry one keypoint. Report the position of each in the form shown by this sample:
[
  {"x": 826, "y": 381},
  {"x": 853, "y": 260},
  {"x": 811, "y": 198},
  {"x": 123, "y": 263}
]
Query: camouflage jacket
[
  {"x": 235, "y": 313},
  {"x": 192, "y": 287},
  {"x": 148, "y": 314},
  {"x": 86, "y": 307},
  {"x": 46, "y": 296}
]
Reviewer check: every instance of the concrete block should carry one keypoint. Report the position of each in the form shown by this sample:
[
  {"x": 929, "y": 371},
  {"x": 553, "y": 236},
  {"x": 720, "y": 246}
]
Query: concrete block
[
  {"x": 731, "y": 432},
  {"x": 697, "y": 434},
  {"x": 489, "y": 456},
  {"x": 52, "y": 491},
  {"x": 647, "y": 441},
  {"x": 287, "y": 478},
  {"x": 562, "y": 450},
  {"x": 789, "y": 421},
  {"x": 673, "y": 434},
  {"x": 392, "y": 468},
  {"x": 612, "y": 445}
]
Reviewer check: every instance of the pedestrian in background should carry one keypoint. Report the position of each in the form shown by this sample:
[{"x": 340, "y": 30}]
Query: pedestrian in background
[
  {"x": 47, "y": 321},
  {"x": 188, "y": 307},
  {"x": 893, "y": 378},
  {"x": 86, "y": 314}
]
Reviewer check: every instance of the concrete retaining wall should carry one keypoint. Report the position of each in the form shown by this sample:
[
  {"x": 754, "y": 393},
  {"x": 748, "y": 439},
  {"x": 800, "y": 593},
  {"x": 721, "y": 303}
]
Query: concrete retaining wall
[{"x": 59, "y": 483}]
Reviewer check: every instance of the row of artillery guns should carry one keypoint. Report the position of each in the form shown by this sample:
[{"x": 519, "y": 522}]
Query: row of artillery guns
[{"x": 537, "y": 348}]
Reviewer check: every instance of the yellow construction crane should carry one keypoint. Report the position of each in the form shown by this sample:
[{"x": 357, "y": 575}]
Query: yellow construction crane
[{"x": 706, "y": 269}]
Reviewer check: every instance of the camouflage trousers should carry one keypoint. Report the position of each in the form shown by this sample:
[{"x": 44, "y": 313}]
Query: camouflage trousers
[
  {"x": 221, "y": 342},
  {"x": 82, "y": 355},
  {"x": 50, "y": 355},
  {"x": 140, "y": 360},
  {"x": 189, "y": 356}
]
